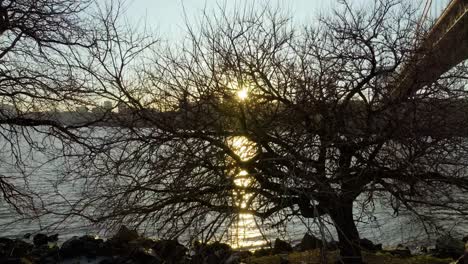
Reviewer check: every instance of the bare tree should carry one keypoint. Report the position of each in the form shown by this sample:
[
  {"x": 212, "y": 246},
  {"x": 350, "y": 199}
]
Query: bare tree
[
  {"x": 34, "y": 78},
  {"x": 45, "y": 47},
  {"x": 254, "y": 116}
]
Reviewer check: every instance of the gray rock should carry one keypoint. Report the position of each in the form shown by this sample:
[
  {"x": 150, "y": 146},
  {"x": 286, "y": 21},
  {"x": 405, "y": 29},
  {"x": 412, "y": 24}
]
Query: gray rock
[
  {"x": 243, "y": 254},
  {"x": 211, "y": 253},
  {"x": 211, "y": 259},
  {"x": 448, "y": 246},
  {"x": 333, "y": 245},
  {"x": 366, "y": 244},
  {"x": 53, "y": 238},
  {"x": 40, "y": 239},
  {"x": 45, "y": 254},
  {"x": 14, "y": 247},
  {"x": 310, "y": 242},
  {"x": 171, "y": 251},
  {"x": 125, "y": 235},
  {"x": 144, "y": 258},
  {"x": 10, "y": 260},
  {"x": 284, "y": 259},
  {"x": 262, "y": 252},
  {"x": 82, "y": 246},
  {"x": 234, "y": 258},
  {"x": 281, "y": 246}
]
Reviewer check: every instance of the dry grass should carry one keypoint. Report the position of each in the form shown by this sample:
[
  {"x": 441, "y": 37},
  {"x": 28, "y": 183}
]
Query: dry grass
[{"x": 313, "y": 257}]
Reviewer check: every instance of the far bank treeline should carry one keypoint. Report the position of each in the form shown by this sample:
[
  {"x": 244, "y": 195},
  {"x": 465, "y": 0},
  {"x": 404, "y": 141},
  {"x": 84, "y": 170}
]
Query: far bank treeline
[{"x": 213, "y": 114}]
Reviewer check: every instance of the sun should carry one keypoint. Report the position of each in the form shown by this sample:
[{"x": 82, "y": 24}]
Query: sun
[{"x": 243, "y": 94}]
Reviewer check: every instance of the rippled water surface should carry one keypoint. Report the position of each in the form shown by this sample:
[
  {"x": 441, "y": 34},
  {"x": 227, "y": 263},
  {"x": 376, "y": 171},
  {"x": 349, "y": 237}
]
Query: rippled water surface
[{"x": 384, "y": 228}]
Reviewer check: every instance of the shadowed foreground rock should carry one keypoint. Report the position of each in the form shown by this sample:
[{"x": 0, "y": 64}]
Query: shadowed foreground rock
[
  {"x": 448, "y": 247},
  {"x": 309, "y": 242},
  {"x": 125, "y": 247},
  {"x": 368, "y": 245},
  {"x": 128, "y": 247},
  {"x": 281, "y": 247}
]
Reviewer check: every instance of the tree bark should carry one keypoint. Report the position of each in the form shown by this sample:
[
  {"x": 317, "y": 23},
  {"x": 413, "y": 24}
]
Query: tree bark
[{"x": 348, "y": 235}]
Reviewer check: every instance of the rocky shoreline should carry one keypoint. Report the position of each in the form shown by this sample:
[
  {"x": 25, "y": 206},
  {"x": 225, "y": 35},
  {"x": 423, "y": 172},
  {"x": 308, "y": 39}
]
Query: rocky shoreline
[{"x": 128, "y": 247}]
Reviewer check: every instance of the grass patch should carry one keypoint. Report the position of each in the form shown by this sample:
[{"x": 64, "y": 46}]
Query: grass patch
[{"x": 313, "y": 257}]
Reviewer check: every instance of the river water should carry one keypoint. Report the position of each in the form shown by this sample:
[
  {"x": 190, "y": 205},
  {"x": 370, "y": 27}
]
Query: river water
[{"x": 382, "y": 226}]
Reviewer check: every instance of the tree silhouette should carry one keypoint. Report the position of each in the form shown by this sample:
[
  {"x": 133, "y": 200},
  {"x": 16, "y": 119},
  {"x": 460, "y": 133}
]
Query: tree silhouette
[
  {"x": 316, "y": 121},
  {"x": 254, "y": 116}
]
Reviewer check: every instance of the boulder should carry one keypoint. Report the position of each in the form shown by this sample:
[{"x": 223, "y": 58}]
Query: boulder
[
  {"x": 212, "y": 259},
  {"x": 284, "y": 259},
  {"x": 234, "y": 258},
  {"x": 14, "y": 247},
  {"x": 281, "y": 246},
  {"x": 53, "y": 238},
  {"x": 211, "y": 248},
  {"x": 11, "y": 260},
  {"x": 45, "y": 254},
  {"x": 222, "y": 250},
  {"x": 237, "y": 256},
  {"x": 171, "y": 251},
  {"x": 142, "y": 242},
  {"x": 196, "y": 259},
  {"x": 107, "y": 261},
  {"x": 215, "y": 252},
  {"x": 448, "y": 246},
  {"x": 422, "y": 250},
  {"x": 117, "y": 246},
  {"x": 119, "y": 260},
  {"x": 333, "y": 245},
  {"x": 143, "y": 258},
  {"x": 309, "y": 242},
  {"x": 125, "y": 235},
  {"x": 40, "y": 239},
  {"x": 82, "y": 246},
  {"x": 368, "y": 245},
  {"x": 465, "y": 239},
  {"x": 243, "y": 254},
  {"x": 262, "y": 252}
]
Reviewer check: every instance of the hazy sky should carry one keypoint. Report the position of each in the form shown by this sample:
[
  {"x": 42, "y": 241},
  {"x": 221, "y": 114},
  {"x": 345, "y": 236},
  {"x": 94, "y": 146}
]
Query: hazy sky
[{"x": 167, "y": 16}]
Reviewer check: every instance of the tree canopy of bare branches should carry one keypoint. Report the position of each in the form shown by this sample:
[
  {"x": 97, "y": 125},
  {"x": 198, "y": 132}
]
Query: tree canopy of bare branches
[
  {"x": 253, "y": 115},
  {"x": 35, "y": 37},
  {"x": 47, "y": 48},
  {"x": 305, "y": 116}
]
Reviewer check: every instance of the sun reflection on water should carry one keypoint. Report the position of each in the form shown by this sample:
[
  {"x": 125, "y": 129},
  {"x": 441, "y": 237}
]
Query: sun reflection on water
[
  {"x": 242, "y": 147},
  {"x": 244, "y": 232}
]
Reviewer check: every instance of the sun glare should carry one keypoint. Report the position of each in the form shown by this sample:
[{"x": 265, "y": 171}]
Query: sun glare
[{"x": 242, "y": 94}]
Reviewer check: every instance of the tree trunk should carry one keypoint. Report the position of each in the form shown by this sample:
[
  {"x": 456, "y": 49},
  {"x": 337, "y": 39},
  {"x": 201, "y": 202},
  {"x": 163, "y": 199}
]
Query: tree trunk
[{"x": 348, "y": 235}]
